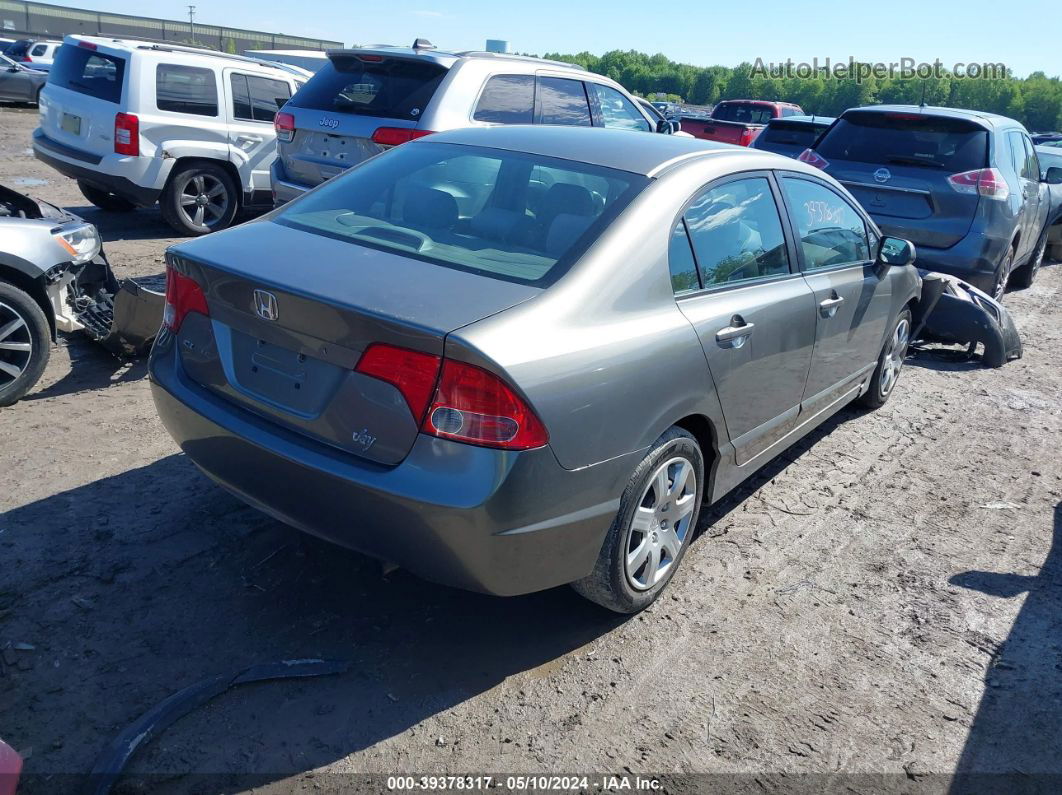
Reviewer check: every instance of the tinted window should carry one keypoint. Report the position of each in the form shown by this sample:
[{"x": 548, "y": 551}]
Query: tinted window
[
  {"x": 746, "y": 114},
  {"x": 737, "y": 233},
  {"x": 1049, "y": 160},
  {"x": 1032, "y": 165},
  {"x": 794, "y": 134},
  {"x": 680, "y": 260},
  {"x": 907, "y": 139},
  {"x": 507, "y": 99},
  {"x": 615, "y": 110},
  {"x": 532, "y": 216},
  {"x": 562, "y": 101},
  {"x": 831, "y": 231},
  {"x": 390, "y": 88},
  {"x": 86, "y": 72},
  {"x": 40, "y": 49},
  {"x": 186, "y": 89},
  {"x": 257, "y": 98}
]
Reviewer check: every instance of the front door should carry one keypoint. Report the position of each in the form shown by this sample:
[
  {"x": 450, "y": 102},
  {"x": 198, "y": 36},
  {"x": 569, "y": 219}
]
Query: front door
[
  {"x": 852, "y": 300},
  {"x": 753, "y": 313},
  {"x": 253, "y": 102}
]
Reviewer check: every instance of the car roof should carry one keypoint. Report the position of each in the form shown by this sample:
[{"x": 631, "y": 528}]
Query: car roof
[
  {"x": 168, "y": 49},
  {"x": 448, "y": 59},
  {"x": 989, "y": 120},
  {"x": 824, "y": 121},
  {"x": 624, "y": 150}
]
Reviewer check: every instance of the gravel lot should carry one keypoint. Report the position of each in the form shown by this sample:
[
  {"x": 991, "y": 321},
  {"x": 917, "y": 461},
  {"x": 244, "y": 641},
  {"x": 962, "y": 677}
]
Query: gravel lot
[{"x": 884, "y": 599}]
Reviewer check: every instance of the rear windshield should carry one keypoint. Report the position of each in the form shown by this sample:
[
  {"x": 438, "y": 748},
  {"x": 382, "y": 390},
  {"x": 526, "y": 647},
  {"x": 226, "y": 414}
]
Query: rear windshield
[
  {"x": 85, "y": 71},
  {"x": 797, "y": 134},
  {"x": 907, "y": 139},
  {"x": 505, "y": 215},
  {"x": 391, "y": 88},
  {"x": 747, "y": 114}
]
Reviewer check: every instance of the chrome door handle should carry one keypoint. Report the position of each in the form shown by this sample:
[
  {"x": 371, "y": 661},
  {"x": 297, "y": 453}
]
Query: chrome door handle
[
  {"x": 828, "y": 308},
  {"x": 734, "y": 336}
]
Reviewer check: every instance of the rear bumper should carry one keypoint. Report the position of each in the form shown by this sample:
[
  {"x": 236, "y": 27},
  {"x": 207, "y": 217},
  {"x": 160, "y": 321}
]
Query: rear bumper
[
  {"x": 117, "y": 174},
  {"x": 284, "y": 190},
  {"x": 499, "y": 522}
]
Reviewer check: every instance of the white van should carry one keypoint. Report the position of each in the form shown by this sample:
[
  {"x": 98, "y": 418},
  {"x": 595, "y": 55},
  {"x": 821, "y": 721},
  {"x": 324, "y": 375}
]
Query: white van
[{"x": 138, "y": 122}]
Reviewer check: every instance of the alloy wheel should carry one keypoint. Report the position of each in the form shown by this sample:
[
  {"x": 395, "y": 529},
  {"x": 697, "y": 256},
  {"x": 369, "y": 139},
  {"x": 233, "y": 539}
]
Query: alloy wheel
[
  {"x": 1004, "y": 276},
  {"x": 894, "y": 356},
  {"x": 660, "y": 524},
  {"x": 204, "y": 200},
  {"x": 16, "y": 344}
]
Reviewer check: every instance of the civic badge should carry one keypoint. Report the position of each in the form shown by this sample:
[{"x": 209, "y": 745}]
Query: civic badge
[
  {"x": 265, "y": 304},
  {"x": 882, "y": 175}
]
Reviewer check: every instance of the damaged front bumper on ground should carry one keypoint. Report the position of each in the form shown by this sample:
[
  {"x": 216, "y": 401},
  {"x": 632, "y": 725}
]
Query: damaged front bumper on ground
[{"x": 954, "y": 312}]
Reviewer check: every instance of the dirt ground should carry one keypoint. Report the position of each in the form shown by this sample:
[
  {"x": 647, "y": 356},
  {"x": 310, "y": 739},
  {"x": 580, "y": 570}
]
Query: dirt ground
[{"x": 885, "y": 599}]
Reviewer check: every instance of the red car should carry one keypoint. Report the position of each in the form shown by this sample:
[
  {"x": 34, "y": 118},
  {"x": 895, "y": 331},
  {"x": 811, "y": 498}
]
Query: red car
[{"x": 739, "y": 121}]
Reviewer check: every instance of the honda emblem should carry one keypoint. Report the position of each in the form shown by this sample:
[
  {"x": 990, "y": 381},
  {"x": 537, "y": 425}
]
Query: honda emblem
[{"x": 265, "y": 304}]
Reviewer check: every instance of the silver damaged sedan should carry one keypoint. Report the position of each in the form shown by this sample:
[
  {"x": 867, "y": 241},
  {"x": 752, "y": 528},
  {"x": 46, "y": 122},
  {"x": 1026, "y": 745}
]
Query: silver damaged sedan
[{"x": 513, "y": 358}]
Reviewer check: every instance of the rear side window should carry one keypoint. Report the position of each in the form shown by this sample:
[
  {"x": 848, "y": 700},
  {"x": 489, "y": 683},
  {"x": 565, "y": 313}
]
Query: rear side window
[
  {"x": 40, "y": 49},
  {"x": 562, "y": 101},
  {"x": 388, "y": 88},
  {"x": 94, "y": 74},
  {"x": 186, "y": 89},
  {"x": 737, "y": 233},
  {"x": 507, "y": 99},
  {"x": 907, "y": 139},
  {"x": 831, "y": 230},
  {"x": 684, "y": 277},
  {"x": 615, "y": 110},
  {"x": 257, "y": 98},
  {"x": 746, "y": 114}
]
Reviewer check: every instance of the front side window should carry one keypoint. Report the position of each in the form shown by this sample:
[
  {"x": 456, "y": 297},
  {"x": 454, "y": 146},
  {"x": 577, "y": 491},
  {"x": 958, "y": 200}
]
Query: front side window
[
  {"x": 500, "y": 214},
  {"x": 737, "y": 233},
  {"x": 562, "y": 101},
  {"x": 186, "y": 89},
  {"x": 257, "y": 98},
  {"x": 507, "y": 99},
  {"x": 616, "y": 110},
  {"x": 831, "y": 230}
]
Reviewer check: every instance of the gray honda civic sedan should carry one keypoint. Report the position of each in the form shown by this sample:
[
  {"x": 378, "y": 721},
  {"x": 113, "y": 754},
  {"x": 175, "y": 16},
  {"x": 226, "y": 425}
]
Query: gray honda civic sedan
[{"x": 512, "y": 358}]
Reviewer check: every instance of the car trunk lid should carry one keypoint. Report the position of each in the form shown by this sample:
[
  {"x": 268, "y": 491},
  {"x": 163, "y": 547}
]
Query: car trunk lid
[{"x": 328, "y": 306}]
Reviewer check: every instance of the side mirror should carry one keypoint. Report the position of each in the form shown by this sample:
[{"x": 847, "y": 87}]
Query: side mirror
[
  {"x": 1053, "y": 175},
  {"x": 676, "y": 125},
  {"x": 896, "y": 252},
  {"x": 664, "y": 126},
  {"x": 14, "y": 68}
]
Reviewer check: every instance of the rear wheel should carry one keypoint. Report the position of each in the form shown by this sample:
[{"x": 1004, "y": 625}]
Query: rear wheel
[
  {"x": 1026, "y": 275},
  {"x": 890, "y": 362},
  {"x": 999, "y": 287},
  {"x": 25, "y": 343},
  {"x": 200, "y": 198},
  {"x": 105, "y": 200},
  {"x": 649, "y": 537}
]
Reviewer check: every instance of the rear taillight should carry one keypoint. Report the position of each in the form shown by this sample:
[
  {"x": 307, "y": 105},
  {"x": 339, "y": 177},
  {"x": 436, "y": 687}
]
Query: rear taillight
[
  {"x": 746, "y": 137},
  {"x": 987, "y": 182},
  {"x": 412, "y": 373},
  {"x": 812, "y": 158},
  {"x": 393, "y": 136},
  {"x": 475, "y": 406},
  {"x": 183, "y": 295},
  {"x": 284, "y": 124},
  {"x": 126, "y": 134}
]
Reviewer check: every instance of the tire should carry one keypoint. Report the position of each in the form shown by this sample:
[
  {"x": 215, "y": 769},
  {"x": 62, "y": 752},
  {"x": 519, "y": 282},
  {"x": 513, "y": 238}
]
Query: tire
[
  {"x": 104, "y": 200},
  {"x": 1003, "y": 274},
  {"x": 37, "y": 97},
  {"x": 1026, "y": 275},
  {"x": 200, "y": 198},
  {"x": 630, "y": 589},
  {"x": 890, "y": 362},
  {"x": 25, "y": 343}
]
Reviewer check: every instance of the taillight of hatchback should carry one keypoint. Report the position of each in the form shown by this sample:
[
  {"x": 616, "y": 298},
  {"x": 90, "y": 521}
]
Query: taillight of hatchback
[
  {"x": 987, "y": 182},
  {"x": 126, "y": 134},
  {"x": 455, "y": 400},
  {"x": 813, "y": 158},
  {"x": 284, "y": 124},
  {"x": 183, "y": 295}
]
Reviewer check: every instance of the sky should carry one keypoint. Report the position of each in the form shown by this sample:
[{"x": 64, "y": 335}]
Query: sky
[{"x": 1023, "y": 34}]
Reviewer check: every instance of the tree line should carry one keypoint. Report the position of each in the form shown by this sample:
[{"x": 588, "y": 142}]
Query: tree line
[{"x": 1036, "y": 100}]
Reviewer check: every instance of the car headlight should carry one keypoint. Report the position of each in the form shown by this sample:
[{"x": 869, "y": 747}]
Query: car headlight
[{"x": 82, "y": 241}]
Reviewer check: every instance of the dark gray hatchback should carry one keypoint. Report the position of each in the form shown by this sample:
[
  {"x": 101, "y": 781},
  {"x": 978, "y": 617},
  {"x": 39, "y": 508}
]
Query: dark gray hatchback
[{"x": 963, "y": 186}]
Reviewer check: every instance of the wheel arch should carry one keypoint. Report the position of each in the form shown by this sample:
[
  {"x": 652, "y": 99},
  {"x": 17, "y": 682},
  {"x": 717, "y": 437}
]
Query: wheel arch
[
  {"x": 183, "y": 162},
  {"x": 704, "y": 431},
  {"x": 34, "y": 288}
]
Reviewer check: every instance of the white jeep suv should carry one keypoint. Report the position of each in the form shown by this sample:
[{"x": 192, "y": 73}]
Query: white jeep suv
[{"x": 138, "y": 122}]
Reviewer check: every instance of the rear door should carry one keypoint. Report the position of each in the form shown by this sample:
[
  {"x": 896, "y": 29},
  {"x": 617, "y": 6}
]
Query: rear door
[
  {"x": 342, "y": 107},
  {"x": 1028, "y": 170},
  {"x": 86, "y": 88},
  {"x": 14, "y": 84},
  {"x": 252, "y": 104},
  {"x": 753, "y": 313},
  {"x": 852, "y": 301},
  {"x": 563, "y": 101},
  {"x": 898, "y": 164}
]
